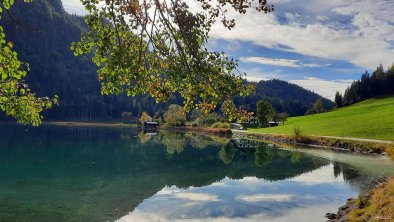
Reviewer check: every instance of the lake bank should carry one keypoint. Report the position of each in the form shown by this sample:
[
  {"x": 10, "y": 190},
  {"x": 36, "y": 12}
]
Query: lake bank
[
  {"x": 376, "y": 205},
  {"x": 334, "y": 144},
  {"x": 351, "y": 145}
]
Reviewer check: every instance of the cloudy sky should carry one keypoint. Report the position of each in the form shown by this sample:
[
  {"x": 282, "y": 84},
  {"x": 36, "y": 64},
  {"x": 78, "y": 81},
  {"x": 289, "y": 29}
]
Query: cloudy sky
[{"x": 320, "y": 45}]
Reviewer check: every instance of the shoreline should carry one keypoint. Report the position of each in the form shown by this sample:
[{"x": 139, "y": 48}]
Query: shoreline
[
  {"x": 334, "y": 144},
  {"x": 364, "y": 207}
]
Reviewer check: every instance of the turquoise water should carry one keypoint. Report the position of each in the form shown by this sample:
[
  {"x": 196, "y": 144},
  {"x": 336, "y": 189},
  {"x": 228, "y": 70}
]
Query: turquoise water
[{"x": 67, "y": 173}]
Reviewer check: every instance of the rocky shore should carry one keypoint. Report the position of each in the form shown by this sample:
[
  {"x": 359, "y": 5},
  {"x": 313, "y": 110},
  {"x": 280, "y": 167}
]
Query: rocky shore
[
  {"x": 363, "y": 201},
  {"x": 338, "y": 145}
]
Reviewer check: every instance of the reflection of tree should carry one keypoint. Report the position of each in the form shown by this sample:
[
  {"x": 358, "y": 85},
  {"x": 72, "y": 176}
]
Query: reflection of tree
[
  {"x": 347, "y": 171},
  {"x": 227, "y": 153},
  {"x": 175, "y": 142},
  {"x": 295, "y": 157},
  {"x": 263, "y": 155},
  {"x": 202, "y": 141},
  {"x": 144, "y": 137}
]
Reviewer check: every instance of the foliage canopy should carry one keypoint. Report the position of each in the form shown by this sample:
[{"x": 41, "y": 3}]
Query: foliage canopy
[
  {"x": 159, "y": 47},
  {"x": 16, "y": 98}
]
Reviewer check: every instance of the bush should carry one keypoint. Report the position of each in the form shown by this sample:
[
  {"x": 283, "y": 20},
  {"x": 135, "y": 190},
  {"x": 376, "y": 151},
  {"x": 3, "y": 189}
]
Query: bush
[
  {"x": 223, "y": 125},
  {"x": 299, "y": 137},
  {"x": 197, "y": 122},
  {"x": 175, "y": 116},
  {"x": 226, "y": 125}
]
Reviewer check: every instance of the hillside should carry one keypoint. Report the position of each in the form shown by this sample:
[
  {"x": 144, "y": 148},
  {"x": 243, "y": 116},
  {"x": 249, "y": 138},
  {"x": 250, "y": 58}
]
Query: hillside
[
  {"x": 372, "y": 118},
  {"x": 56, "y": 71},
  {"x": 284, "y": 96}
]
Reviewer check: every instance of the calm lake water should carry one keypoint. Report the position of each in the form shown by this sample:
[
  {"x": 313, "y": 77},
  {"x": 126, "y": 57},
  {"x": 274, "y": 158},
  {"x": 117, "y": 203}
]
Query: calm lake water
[{"x": 108, "y": 174}]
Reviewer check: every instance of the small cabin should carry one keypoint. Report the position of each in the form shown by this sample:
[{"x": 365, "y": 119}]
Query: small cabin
[
  {"x": 272, "y": 124},
  {"x": 151, "y": 124}
]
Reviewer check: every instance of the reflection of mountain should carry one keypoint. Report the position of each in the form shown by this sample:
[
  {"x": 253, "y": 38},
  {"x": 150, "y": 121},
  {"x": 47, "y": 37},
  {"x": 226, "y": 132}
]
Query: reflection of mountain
[{"x": 100, "y": 175}]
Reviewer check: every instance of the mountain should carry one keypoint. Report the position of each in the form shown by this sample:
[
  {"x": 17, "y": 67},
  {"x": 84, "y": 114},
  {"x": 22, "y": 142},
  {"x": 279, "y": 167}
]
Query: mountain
[
  {"x": 42, "y": 32},
  {"x": 284, "y": 96}
]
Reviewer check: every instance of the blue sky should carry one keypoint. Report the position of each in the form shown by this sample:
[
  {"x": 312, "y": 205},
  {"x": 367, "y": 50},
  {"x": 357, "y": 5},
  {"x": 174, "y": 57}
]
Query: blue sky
[{"x": 320, "y": 45}]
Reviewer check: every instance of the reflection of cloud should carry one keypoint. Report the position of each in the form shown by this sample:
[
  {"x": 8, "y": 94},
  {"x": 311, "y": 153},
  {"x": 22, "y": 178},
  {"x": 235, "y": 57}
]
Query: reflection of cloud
[
  {"x": 265, "y": 197},
  {"x": 248, "y": 199},
  {"x": 324, "y": 174},
  {"x": 315, "y": 213},
  {"x": 219, "y": 184},
  {"x": 197, "y": 196}
]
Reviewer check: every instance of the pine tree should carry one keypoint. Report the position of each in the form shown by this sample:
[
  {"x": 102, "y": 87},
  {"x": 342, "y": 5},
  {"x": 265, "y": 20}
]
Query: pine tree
[{"x": 338, "y": 100}]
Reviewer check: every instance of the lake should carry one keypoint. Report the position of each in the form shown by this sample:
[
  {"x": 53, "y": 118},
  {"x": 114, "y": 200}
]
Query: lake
[{"x": 64, "y": 173}]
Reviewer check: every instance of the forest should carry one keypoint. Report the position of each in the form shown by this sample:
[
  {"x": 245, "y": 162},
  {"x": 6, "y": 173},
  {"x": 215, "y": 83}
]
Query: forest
[{"x": 379, "y": 83}]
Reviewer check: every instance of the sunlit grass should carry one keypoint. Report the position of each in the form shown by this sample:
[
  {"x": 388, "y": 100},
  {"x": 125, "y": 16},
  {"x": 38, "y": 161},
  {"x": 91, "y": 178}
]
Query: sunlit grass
[
  {"x": 379, "y": 207},
  {"x": 372, "y": 118}
]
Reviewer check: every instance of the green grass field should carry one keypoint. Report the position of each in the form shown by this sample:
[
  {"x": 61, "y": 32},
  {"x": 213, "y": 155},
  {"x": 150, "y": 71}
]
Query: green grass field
[{"x": 371, "y": 119}]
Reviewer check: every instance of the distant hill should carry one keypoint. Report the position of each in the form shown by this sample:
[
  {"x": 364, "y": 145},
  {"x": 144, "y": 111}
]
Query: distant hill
[
  {"x": 284, "y": 96},
  {"x": 372, "y": 119},
  {"x": 43, "y": 40}
]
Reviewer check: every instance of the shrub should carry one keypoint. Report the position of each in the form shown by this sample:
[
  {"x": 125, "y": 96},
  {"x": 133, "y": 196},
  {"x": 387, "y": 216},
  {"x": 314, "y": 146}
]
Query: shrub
[
  {"x": 197, "y": 122},
  {"x": 299, "y": 137},
  {"x": 226, "y": 125},
  {"x": 221, "y": 125},
  {"x": 175, "y": 116}
]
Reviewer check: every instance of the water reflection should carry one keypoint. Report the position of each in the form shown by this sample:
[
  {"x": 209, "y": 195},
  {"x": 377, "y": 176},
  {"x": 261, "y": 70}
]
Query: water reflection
[
  {"x": 303, "y": 198},
  {"x": 99, "y": 174}
]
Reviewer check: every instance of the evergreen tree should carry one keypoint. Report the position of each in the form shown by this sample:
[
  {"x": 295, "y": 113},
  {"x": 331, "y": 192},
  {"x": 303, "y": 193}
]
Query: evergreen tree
[
  {"x": 369, "y": 86},
  {"x": 338, "y": 99},
  {"x": 318, "y": 107}
]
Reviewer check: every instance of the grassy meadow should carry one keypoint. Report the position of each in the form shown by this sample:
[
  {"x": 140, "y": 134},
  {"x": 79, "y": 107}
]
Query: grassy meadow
[{"x": 371, "y": 119}]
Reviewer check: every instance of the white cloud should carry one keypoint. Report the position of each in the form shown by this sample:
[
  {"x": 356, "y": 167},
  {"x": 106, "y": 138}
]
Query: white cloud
[
  {"x": 257, "y": 74},
  {"x": 278, "y": 62},
  {"x": 360, "y": 33},
  {"x": 74, "y": 7},
  {"x": 269, "y": 61},
  {"x": 326, "y": 88}
]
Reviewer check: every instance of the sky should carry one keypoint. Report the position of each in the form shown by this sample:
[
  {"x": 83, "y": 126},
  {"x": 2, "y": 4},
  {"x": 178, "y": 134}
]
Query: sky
[{"x": 320, "y": 45}]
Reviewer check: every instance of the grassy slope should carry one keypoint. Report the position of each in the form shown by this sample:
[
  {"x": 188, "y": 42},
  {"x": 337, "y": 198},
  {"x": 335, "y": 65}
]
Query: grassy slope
[{"x": 372, "y": 119}]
